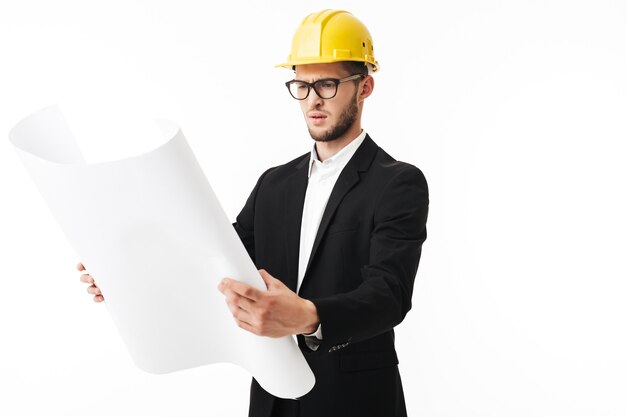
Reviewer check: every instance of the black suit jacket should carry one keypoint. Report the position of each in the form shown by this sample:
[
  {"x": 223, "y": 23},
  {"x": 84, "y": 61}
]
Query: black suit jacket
[{"x": 360, "y": 274}]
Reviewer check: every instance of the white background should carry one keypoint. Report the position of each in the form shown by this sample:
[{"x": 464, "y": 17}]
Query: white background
[{"x": 513, "y": 110}]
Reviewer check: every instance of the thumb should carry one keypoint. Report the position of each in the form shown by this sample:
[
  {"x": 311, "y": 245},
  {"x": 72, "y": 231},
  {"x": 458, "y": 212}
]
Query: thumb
[{"x": 270, "y": 281}]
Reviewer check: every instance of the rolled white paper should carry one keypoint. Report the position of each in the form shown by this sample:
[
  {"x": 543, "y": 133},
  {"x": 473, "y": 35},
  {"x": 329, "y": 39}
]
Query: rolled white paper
[{"x": 151, "y": 231}]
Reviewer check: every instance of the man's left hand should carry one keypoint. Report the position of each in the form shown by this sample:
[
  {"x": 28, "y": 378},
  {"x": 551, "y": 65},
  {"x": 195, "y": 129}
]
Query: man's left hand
[{"x": 276, "y": 312}]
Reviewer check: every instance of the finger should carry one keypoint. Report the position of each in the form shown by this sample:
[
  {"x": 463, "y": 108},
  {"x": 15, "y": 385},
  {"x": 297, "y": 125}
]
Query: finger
[
  {"x": 270, "y": 281},
  {"x": 247, "y": 326},
  {"x": 240, "y": 314},
  {"x": 98, "y": 298},
  {"x": 86, "y": 278},
  {"x": 231, "y": 298},
  {"x": 240, "y": 288},
  {"x": 267, "y": 278},
  {"x": 237, "y": 300},
  {"x": 92, "y": 289},
  {"x": 245, "y": 304},
  {"x": 80, "y": 266}
]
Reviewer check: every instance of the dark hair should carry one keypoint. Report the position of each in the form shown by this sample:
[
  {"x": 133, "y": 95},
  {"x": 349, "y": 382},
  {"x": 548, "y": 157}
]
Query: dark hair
[{"x": 355, "y": 67}]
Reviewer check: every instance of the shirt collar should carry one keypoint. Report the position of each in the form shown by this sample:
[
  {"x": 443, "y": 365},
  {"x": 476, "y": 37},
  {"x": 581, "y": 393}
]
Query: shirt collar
[{"x": 341, "y": 157}]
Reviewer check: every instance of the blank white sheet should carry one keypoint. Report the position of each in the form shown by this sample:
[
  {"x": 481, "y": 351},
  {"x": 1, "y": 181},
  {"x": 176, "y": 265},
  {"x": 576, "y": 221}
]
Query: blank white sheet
[{"x": 152, "y": 233}]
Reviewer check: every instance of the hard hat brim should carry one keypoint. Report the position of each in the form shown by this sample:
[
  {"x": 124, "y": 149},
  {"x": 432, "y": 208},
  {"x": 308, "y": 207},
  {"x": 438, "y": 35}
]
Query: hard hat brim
[{"x": 317, "y": 60}]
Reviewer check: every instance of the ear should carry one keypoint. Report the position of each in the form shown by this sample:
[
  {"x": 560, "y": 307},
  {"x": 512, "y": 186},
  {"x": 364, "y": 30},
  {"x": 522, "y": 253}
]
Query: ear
[{"x": 366, "y": 87}]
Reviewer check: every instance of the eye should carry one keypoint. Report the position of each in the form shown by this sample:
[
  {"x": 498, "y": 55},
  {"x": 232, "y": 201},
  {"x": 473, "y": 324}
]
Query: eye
[{"x": 327, "y": 84}]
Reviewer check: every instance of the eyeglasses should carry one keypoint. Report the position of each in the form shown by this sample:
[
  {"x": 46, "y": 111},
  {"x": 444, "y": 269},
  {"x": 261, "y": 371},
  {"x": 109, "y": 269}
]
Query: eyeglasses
[{"x": 324, "y": 87}]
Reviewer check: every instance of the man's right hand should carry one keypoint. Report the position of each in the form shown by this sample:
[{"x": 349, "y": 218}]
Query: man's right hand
[{"x": 93, "y": 288}]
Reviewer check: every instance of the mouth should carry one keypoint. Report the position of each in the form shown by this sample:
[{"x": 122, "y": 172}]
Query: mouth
[{"x": 317, "y": 118}]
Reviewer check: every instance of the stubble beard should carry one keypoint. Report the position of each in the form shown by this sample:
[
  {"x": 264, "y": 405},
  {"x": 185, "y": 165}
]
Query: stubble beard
[{"x": 346, "y": 120}]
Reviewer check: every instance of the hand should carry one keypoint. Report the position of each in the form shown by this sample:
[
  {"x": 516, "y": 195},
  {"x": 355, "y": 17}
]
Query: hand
[
  {"x": 92, "y": 289},
  {"x": 276, "y": 312}
]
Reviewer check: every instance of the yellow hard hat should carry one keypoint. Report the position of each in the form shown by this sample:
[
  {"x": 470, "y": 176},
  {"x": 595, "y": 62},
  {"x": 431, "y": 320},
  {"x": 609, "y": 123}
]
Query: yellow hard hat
[{"x": 331, "y": 36}]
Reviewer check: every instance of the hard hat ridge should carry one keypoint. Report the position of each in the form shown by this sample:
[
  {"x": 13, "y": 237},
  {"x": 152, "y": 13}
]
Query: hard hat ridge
[{"x": 331, "y": 36}]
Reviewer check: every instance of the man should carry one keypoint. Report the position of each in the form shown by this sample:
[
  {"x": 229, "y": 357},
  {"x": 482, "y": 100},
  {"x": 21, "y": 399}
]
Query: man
[{"x": 336, "y": 234}]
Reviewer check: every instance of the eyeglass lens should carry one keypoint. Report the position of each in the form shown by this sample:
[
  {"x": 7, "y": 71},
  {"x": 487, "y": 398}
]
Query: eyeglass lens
[{"x": 323, "y": 88}]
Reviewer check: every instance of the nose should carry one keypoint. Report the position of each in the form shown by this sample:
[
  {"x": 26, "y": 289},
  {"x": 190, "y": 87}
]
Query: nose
[{"x": 313, "y": 100}]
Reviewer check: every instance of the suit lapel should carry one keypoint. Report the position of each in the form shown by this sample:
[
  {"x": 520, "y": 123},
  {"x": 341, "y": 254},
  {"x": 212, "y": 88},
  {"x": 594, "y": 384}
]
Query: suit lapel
[
  {"x": 294, "y": 203},
  {"x": 349, "y": 177}
]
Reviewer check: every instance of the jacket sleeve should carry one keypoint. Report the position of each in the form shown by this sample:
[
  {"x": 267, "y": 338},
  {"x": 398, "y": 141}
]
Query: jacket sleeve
[
  {"x": 244, "y": 223},
  {"x": 383, "y": 298}
]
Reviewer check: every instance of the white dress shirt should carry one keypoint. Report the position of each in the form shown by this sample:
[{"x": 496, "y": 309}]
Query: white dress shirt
[{"x": 322, "y": 178}]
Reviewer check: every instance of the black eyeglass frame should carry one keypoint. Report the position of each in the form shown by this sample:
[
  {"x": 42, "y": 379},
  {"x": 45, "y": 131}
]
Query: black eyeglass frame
[{"x": 336, "y": 81}]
